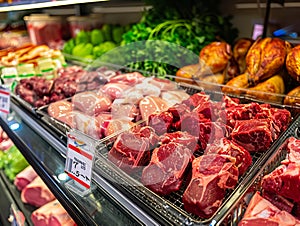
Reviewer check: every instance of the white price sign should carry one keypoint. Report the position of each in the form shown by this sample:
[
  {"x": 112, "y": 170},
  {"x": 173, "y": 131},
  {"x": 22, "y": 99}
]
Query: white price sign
[
  {"x": 79, "y": 162},
  {"x": 4, "y": 100}
]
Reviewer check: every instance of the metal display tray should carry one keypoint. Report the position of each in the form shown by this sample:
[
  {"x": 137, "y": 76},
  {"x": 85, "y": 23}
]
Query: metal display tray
[
  {"x": 236, "y": 206},
  {"x": 169, "y": 209}
]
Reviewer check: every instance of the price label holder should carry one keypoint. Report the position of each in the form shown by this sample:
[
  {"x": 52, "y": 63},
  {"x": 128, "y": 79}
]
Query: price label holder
[
  {"x": 79, "y": 162},
  {"x": 4, "y": 101},
  {"x": 16, "y": 218}
]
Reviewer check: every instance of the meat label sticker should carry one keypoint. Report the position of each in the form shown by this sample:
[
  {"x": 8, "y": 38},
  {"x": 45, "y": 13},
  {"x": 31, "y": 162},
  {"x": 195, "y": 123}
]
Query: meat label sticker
[
  {"x": 79, "y": 162},
  {"x": 4, "y": 100}
]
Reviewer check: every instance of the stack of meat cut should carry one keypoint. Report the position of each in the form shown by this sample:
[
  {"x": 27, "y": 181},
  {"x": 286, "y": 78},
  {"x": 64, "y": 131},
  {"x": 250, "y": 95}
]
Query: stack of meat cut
[
  {"x": 280, "y": 198},
  {"x": 114, "y": 106},
  {"x": 202, "y": 146},
  {"x": 34, "y": 192}
]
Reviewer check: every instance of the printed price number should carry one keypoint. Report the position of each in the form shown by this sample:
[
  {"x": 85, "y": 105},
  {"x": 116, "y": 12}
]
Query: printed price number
[
  {"x": 4, "y": 100},
  {"x": 79, "y": 163}
]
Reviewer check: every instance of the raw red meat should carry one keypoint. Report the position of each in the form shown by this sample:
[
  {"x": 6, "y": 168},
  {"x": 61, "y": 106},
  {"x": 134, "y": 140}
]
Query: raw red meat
[
  {"x": 149, "y": 132},
  {"x": 25, "y": 177},
  {"x": 212, "y": 174},
  {"x": 284, "y": 181},
  {"x": 196, "y": 99},
  {"x": 130, "y": 151},
  {"x": 151, "y": 104},
  {"x": 254, "y": 134},
  {"x": 60, "y": 108},
  {"x": 120, "y": 109},
  {"x": 293, "y": 149},
  {"x": 110, "y": 127},
  {"x": 279, "y": 201},
  {"x": 161, "y": 122},
  {"x": 51, "y": 214},
  {"x": 177, "y": 111},
  {"x": 242, "y": 112},
  {"x": 91, "y": 103},
  {"x": 36, "y": 193},
  {"x": 114, "y": 90},
  {"x": 128, "y": 78},
  {"x": 184, "y": 138},
  {"x": 167, "y": 168},
  {"x": 262, "y": 212},
  {"x": 228, "y": 147}
]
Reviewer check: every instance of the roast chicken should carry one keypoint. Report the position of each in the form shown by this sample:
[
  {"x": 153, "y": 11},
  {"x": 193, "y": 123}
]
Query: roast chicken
[
  {"x": 213, "y": 58},
  {"x": 265, "y": 58},
  {"x": 240, "y": 50},
  {"x": 293, "y": 62},
  {"x": 268, "y": 89}
]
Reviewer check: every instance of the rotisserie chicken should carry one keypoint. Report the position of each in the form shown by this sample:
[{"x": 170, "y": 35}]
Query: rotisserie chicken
[
  {"x": 240, "y": 50},
  {"x": 293, "y": 62},
  {"x": 265, "y": 58},
  {"x": 214, "y": 58}
]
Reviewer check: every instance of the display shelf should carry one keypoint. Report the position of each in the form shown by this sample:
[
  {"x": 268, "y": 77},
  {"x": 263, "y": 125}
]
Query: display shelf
[
  {"x": 45, "y": 151},
  {"x": 38, "y": 4}
]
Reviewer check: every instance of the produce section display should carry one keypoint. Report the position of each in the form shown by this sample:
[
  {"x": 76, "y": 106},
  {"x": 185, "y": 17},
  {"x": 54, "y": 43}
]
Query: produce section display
[
  {"x": 275, "y": 198},
  {"x": 93, "y": 44},
  {"x": 195, "y": 149}
]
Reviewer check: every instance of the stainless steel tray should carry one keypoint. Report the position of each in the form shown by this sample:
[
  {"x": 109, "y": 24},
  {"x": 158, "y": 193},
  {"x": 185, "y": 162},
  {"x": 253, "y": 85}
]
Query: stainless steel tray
[
  {"x": 169, "y": 209},
  {"x": 236, "y": 206}
]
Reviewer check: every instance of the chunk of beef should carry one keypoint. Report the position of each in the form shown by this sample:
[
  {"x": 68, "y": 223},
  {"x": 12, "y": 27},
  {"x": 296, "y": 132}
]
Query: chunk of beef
[
  {"x": 262, "y": 212},
  {"x": 242, "y": 112},
  {"x": 184, "y": 138},
  {"x": 254, "y": 135},
  {"x": 161, "y": 122},
  {"x": 279, "y": 201},
  {"x": 284, "y": 181},
  {"x": 212, "y": 174},
  {"x": 130, "y": 152},
  {"x": 228, "y": 147},
  {"x": 167, "y": 168},
  {"x": 196, "y": 99}
]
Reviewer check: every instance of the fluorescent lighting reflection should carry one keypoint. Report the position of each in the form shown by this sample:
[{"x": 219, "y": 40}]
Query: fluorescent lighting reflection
[
  {"x": 14, "y": 126},
  {"x": 62, "y": 176}
]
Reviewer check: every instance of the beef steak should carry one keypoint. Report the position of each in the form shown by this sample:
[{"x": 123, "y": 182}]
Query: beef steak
[
  {"x": 212, "y": 174},
  {"x": 167, "y": 168},
  {"x": 254, "y": 134},
  {"x": 262, "y": 212},
  {"x": 228, "y": 147}
]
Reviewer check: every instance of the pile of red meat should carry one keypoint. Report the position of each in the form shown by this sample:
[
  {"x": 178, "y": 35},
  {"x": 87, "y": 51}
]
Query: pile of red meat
[
  {"x": 200, "y": 145},
  {"x": 39, "y": 91},
  {"x": 35, "y": 192},
  {"x": 124, "y": 99},
  {"x": 280, "y": 198}
]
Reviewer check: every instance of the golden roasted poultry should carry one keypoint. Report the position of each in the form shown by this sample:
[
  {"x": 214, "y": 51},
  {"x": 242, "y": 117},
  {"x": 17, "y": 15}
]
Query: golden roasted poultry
[
  {"x": 293, "y": 62},
  {"x": 269, "y": 89},
  {"x": 240, "y": 50},
  {"x": 213, "y": 58},
  {"x": 265, "y": 58}
]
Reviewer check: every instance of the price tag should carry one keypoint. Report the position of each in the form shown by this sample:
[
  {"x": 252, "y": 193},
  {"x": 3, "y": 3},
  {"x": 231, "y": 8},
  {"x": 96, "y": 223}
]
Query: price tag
[
  {"x": 79, "y": 161},
  {"x": 4, "y": 100}
]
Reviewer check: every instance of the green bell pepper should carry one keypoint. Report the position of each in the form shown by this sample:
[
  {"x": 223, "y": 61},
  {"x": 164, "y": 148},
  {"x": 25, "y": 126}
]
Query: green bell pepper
[
  {"x": 83, "y": 50},
  {"x": 97, "y": 37},
  {"x": 82, "y": 37}
]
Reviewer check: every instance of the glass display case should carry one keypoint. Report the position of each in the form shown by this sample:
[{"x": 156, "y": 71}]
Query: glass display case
[{"x": 45, "y": 150}]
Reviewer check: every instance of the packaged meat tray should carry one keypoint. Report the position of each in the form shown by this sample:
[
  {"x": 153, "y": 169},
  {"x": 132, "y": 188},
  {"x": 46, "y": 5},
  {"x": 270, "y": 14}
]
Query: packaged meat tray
[
  {"x": 171, "y": 201},
  {"x": 275, "y": 200}
]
